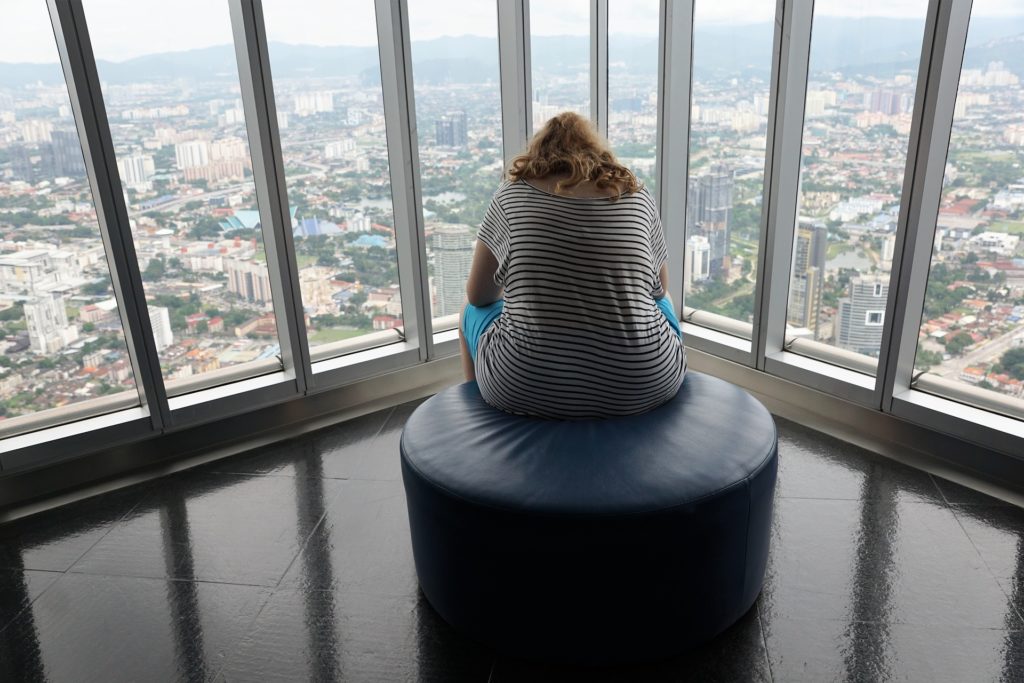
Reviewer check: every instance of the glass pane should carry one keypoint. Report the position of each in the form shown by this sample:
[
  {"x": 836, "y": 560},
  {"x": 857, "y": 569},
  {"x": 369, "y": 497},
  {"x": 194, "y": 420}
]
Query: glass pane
[
  {"x": 62, "y": 341},
  {"x": 326, "y": 69},
  {"x": 732, "y": 65},
  {"x": 972, "y": 331},
  {"x": 559, "y": 58},
  {"x": 458, "y": 114},
  {"x": 633, "y": 84},
  {"x": 170, "y": 83},
  {"x": 860, "y": 97}
]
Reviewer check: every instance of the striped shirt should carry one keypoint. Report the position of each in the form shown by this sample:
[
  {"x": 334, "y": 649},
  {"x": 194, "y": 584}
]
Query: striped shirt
[{"x": 581, "y": 335}]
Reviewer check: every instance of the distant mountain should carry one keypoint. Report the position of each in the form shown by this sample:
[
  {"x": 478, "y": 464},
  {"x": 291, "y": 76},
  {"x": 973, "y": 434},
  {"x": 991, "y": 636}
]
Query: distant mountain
[{"x": 838, "y": 44}]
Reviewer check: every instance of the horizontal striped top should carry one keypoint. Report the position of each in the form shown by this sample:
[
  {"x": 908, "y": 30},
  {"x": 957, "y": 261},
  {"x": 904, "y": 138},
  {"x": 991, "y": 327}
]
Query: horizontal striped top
[{"x": 581, "y": 335}]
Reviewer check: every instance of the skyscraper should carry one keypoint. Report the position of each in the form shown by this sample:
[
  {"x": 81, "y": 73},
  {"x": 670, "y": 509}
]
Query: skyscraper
[
  {"x": 160, "y": 319},
  {"x": 453, "y": 255},
  {"x": 136, "y": 171},
  {"x": 709, "y": 213},
  {"x": 450, "y": 130},
  {"x": 67, "y": 154},
  {"x": 861, "y": 315},
  {"x": 47, "y": 321},
  {"x": 698, "y": 261},
  {"x": 808, "y": 275},
  {"x": 192, "y": 154}
]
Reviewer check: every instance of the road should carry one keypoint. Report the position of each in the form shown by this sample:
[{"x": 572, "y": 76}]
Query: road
[{"x": 986, "y": 353}]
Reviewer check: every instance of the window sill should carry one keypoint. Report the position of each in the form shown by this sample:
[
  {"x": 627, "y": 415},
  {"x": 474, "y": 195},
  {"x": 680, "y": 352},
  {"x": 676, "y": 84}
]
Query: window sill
[
  {"x": 359, "y": 365},
  {"x": 66, "y": 415},
  {"x": 823, "y": 376},
  {"x": 44, "y": 446},
  {"x": 976, "y": 425}
]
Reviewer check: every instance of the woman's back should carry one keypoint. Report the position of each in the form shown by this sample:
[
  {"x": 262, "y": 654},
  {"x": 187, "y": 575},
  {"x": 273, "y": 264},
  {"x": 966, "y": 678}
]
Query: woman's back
[{"x": 581, "y": 334}]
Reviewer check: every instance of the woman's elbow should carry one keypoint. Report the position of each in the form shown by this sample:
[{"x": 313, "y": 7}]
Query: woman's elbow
[{"x": 482, "y": 296}]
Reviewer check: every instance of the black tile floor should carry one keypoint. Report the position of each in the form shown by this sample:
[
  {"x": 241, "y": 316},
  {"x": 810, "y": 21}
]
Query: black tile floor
[{"x": 293, "y": 562}]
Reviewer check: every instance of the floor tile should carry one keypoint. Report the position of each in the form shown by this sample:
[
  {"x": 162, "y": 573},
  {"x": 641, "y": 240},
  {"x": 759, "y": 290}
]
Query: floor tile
[
  {"x": 53, "y": 540},
  {"x": 19, "y": 588},
  {"x": 98, "y": 628},
  {"x": 374, "y": 459},
  {"x": 881, "y": 561},
  {"x": 304, "y": 455},
  {"x": 957, "y": 494},
  {"x": 363, "y": 544},
  {"x": 867, "y": 651},
  {"x": 215, "y": 527},
  {"x": 737, "y": 655},
  {"x": 340, "y": 635},
  {"x": 815, "y": 465}
]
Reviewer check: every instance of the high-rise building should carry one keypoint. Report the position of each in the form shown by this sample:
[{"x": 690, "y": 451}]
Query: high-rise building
[
  {"x": 67, "y": 154},
  {"x": 47, "y": 321},
  {"x": 861, "y": 315},
  {"x": 309, "y": 103},
  {"x": 136, "y": 171},
  {"x": 35, "y": 130},
  {"x": 248, "y": 279},
  {"x": 453, "y": 256},
  {"x": 450, "y": 130},
  {"x": 160, "y": 319},
  {"x": 809, "y": 255},
  {"x": 698, "y": 261},
  {"x": 709, "y": 214},
  {"x": 192, "y": 154}
]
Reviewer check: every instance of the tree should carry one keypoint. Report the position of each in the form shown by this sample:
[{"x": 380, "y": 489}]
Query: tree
[
  {"x": 155, "y": 270},
  {"x": 958, "y": 342},
  {"x": 1012, "y": 362}
]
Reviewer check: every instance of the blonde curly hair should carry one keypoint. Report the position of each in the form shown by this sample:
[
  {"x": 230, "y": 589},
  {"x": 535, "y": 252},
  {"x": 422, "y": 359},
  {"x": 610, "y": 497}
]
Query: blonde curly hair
[{"x": 569, "y": 143}]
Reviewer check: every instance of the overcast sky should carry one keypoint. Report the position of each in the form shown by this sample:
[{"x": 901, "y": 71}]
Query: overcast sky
[{"x": 122, "y": 29}]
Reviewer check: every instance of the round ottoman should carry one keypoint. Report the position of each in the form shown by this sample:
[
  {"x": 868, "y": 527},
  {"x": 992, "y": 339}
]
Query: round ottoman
[{"x": 591, "y": 541}]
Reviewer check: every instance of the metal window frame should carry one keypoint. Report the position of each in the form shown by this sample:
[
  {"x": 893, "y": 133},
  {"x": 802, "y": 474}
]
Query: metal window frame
[
  {"x": 675, "y": 101},
  {"x": 257, "y": 90},
  {"x": 675, "y": 54},
  {"x": 826, "y": 369},
  {"x": 82, "y": 79},
  {"x": 403, "y": 161},
  {"x": 599, "y": 65},
  {"x": 793, "y": 40},
  {"x": 890, "y": 391},
  {"x": 912, "y": 260},
  {"x": 515, "y": 75},
  {"x": 242, "y": 393}
]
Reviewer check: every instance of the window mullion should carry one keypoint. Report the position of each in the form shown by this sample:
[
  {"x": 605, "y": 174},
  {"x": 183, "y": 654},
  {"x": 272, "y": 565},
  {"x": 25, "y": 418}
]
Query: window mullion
[
  {"x": 514, "y": 65},
  {"x": 403, "y": 158},
  {"x": 271, "y": 190},
  {"x": 792, "y": 46},
  {"x": 79, "y": 65},
  {"x": 599, "y": 64},
  {"x": 941, "y": 61},
  {"x": 674, "y": 80}
]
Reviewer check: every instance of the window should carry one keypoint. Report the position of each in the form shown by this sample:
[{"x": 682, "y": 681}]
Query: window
[
  {"x": 63, "y": 350},
  {"x": 874, "y": 318},
  {"x": 458, "y": 115},
  {"x": 173, "y": 102},
  {"x": 327, "y": 88},
  {"x": 559, "y": 58},
  {"x": 633, "y": 84},
  {"x": 732, "y": 63},
  {"x": 972, "y": 332},
  {"x": 860, "y": 97}
]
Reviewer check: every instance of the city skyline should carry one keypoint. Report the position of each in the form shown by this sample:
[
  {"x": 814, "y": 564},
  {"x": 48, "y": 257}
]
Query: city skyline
[{"x": 182, "y": 154}]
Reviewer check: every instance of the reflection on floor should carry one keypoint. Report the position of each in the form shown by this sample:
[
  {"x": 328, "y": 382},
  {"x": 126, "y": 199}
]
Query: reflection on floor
[{"x": 293, "y": 562}]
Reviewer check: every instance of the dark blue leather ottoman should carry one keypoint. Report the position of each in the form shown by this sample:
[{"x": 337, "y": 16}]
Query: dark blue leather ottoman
[{"x": 591, "y": 541}]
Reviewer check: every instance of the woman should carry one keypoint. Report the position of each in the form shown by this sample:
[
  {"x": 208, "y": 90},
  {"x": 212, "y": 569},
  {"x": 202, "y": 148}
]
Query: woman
[{"x": 585, "y": 329}]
